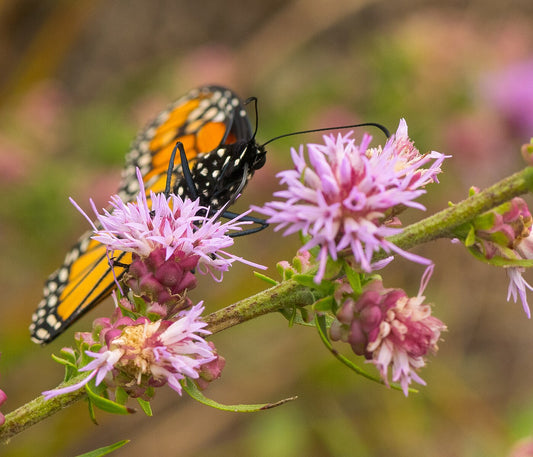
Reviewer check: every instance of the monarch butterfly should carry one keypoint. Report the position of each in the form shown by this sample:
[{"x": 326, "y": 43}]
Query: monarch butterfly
[{"x": 212, "y": 124}]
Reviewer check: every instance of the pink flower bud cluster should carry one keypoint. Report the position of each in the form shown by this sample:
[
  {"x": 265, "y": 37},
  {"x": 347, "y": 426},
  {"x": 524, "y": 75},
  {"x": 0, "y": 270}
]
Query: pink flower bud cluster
[{"x": 390, "y": 329}]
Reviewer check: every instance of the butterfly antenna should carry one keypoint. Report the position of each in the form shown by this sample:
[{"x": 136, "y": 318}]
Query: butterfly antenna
[
  {"x": 254, "y": 100},
  {"x": 365, "y": 124}
]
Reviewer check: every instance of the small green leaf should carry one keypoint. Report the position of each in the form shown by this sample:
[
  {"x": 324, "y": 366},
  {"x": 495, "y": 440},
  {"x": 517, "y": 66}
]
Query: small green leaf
[
  {"x": 500, "y": 261},
  {"x": 190, "y": 387},
  {"x": 121, "y": 396},
  {"x": 471, "y": 237},
  {"x": 68, "y": 357},
  {"x": 92, "y": 413},
  {"x": 298, "y": 316},
  {"x": 145, "y": 406},
  {"x": 289, "y": 314},
  {"x": 265, "y": 278},
  {"x": 105, "y": 404},
  {"x": 354, "y": 279},
  {"x": 69, "y": 363},
  {"x": 333, "y": 268},
  {"x": 307, "y": 280},
  {"x": 324, "y": 304},
  {"x": 104, "y": 450},
  {"x": 484, "y": 221}
]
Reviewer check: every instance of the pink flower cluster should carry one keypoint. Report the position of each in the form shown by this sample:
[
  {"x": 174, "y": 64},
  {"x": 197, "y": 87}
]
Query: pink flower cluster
[
  {"x": 344, "y": 198},
  {"x": 505, "y": 233},
  {"x": 172, "y": 223},
  {"x": 138, "y": 354},
  {"x": 156, "y": 337},
  {"x": 389, "y": 329}
]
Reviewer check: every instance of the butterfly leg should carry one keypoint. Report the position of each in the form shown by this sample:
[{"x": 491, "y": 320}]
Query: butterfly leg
[{"x": 262, "y": 224}]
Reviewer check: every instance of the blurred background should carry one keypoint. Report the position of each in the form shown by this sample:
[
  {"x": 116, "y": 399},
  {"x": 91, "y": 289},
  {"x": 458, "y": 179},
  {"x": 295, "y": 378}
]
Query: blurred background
[{"x": 79, "y": 79}]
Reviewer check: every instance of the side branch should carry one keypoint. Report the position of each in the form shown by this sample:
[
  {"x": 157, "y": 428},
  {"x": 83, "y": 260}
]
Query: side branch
[{"x": 442, "y": 224}]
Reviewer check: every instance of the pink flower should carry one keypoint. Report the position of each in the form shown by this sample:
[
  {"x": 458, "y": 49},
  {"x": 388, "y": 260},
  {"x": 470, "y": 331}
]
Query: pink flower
[
  {"x": 140, "y": 354},
  {"x": 503, "y": 236},
  {"x": 179, "y": 226},
  {"x": 343, "y": 198},
  {"x": 391, "y": 330}
]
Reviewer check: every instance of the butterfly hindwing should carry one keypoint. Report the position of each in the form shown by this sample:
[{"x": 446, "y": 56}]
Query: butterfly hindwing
[{"x": 212, "y": 125}]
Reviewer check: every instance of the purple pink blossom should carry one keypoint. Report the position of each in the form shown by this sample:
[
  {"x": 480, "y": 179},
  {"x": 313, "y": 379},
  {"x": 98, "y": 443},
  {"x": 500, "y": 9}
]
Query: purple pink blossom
[
  {"x": 137, "y": 354},
  {"x": 390, "y": 329},
  {"x": 343, "y": 196},
  {"x": 504, "y": 234},
  {"x": 179, "y": 226}
]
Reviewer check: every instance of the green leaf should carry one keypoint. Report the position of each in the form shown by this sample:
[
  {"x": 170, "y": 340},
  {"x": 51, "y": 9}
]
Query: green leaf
[
  {"x": 92, "y": 413},
  {"x": 333, "y": 268},
  {"x": 69, "y": 362},
  {"x": 471, "y": 237},
  {"x": 121, "y": 396},
  {"x": 298, "y": 316},
  {"x": 104, "y": 450},
  {"x": 265, "y": 278},
  {"x": 354, "y": 279},
  {"x": 145, "y": 406},
  {"x": 321, "y": 325},
  {"x": 190, "y": 387},
  {"x": 105, "y": 404},
  {"x": 307, "y": 280},
  {"x": 68, "y": 357},
  {"x": 500, "y": 261},
  {"x": 289, "y": 314},
  {"x": 324, "y": 304}
]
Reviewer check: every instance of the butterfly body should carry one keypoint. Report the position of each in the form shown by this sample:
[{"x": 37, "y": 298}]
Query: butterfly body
[{"x": 222, "y": 155}]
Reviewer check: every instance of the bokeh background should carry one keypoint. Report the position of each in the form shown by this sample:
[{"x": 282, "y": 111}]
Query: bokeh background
[{"x": 78, "y": 79}]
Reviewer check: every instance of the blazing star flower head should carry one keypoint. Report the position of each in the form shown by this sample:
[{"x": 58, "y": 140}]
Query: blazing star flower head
[
  {"x": 141, "y": 354},
  {"x": 408, "y": 161},
  {"x": 180, "y": 227},
  {"x": 505, "y": 233},
  {"x": 343, "y": 198},
  {"x": 163, "y": 281},
  {"x": 389, "y": 329}
]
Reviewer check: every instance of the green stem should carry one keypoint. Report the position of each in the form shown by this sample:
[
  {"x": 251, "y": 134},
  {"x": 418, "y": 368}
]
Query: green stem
[
  {"x": 287, "y": 294},
  {"x": 442, "y": 224}
]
